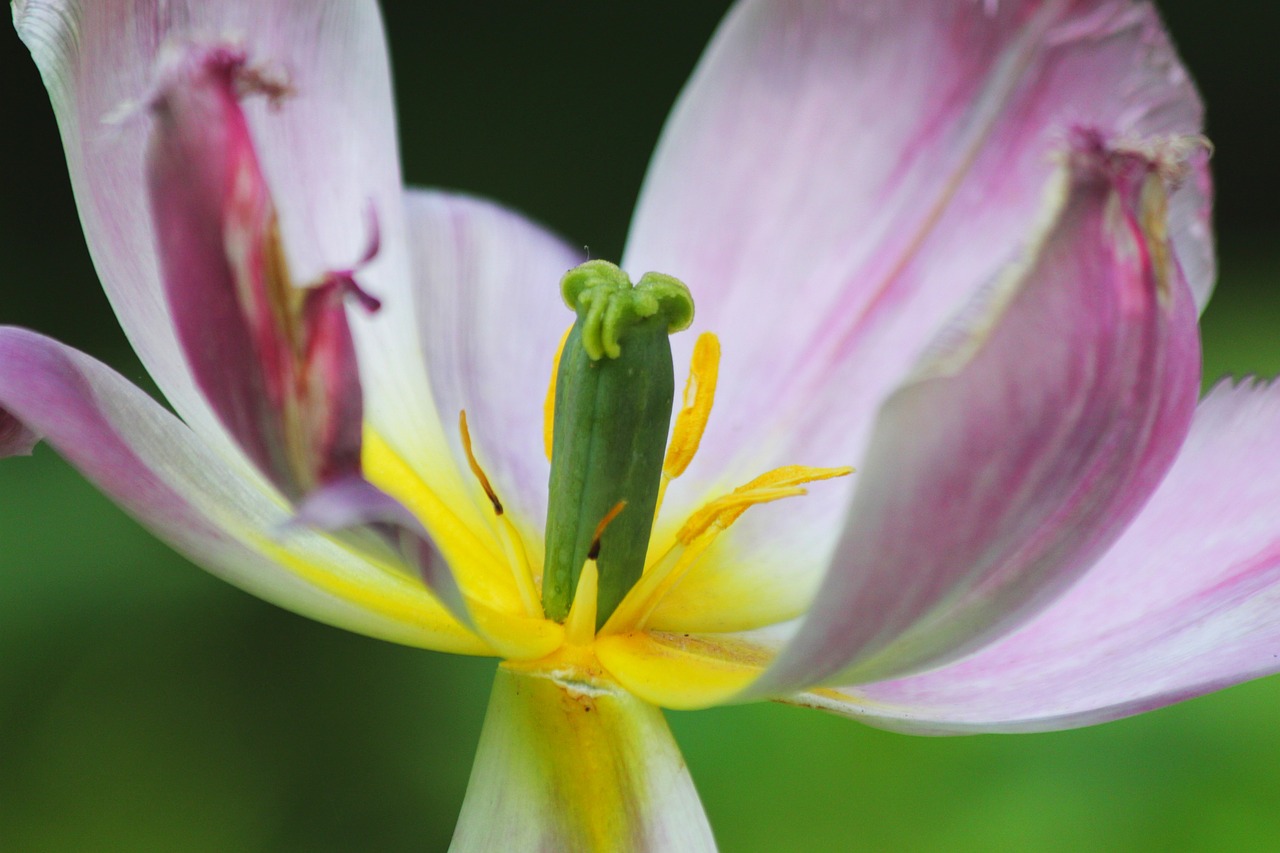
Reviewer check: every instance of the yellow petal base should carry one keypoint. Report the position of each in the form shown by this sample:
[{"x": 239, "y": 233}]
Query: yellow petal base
[
  {"x": 568, "y": 761},
  {"x": 681, "y": 671}
]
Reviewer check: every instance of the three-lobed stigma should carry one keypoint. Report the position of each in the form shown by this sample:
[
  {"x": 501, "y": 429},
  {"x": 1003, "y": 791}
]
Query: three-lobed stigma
[{"x": 608, "y": 305}]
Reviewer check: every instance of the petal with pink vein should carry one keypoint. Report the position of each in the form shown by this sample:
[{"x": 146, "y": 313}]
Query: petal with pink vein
[
  {"x": 838, "y": 179},
  {"x": 1022, "y": 446},
  {"x": 1184, "y": 603}
]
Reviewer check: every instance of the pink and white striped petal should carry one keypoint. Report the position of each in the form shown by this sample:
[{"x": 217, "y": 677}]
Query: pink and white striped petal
[
  {"x": 1023, "y": 444},
  {"x": 209, "y": 507},
  {"x": 838, "y": 179},
  {"x": 1185, "y": 603},
  {"x": 328, "y": 151},
  {"x": 492, "y": 318}
]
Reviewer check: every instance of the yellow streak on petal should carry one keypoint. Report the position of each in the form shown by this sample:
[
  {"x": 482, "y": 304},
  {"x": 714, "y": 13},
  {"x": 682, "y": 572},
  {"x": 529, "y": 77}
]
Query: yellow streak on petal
[
  {"x": 392, "y": 597},
  {"x": 516, "y": 637},
  {"x": 654, "y": 585},
  {"x": 477, "y": 560},
  {"x": 734, "y": 588},
  {"x": 681, "y": 672}
]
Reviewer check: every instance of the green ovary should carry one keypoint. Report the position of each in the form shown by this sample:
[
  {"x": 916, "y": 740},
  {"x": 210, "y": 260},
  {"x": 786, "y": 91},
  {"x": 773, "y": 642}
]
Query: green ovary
[{"x": 613, "y": 400}]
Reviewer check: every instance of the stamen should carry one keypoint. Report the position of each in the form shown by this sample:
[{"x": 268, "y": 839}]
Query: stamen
[
  {"x": 700, "y": 531},
  {"x": 699, "y": 395},
  {"x": 512, "y": 544},
  {"x": 723, "y": 511},
  {"x": 475, "y": 466},
  {"x": 784, "y": 477},
  {"x": 695, "y": 409},
  {"x": 549, "y": 405},
  {"x": 593, "y": 553},
  {"x": 580, "y": 626}
]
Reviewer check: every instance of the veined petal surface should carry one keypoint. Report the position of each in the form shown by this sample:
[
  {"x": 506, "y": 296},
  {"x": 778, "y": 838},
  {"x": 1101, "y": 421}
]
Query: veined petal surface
[
  {"x": 1184, "y": 603},
  {"x": 492, "y": 318},
  {"x": 1023, "y": 444},
  {"x": 840, "y": 178},
  {"x": 155, "y": 467},
  {"x": 328, "y": 151},
  {"x": 580, "y": 766}
]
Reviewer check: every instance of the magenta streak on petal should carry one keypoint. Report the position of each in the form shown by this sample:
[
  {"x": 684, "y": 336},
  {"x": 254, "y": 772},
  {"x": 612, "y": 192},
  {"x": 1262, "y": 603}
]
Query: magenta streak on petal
[
  {"x": 830, "y": 223},
  {"x": 1029, "y": 438},
  {"x": 277, "y": 364},
  {"x": 1183, "y": 604}
]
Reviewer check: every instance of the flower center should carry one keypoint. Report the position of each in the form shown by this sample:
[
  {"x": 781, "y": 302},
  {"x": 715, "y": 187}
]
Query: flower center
[{"x": 606, "y": 419}]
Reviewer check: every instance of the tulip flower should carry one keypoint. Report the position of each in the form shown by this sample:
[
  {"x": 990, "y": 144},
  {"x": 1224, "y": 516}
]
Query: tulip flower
[{"x": 939, "y": 463}]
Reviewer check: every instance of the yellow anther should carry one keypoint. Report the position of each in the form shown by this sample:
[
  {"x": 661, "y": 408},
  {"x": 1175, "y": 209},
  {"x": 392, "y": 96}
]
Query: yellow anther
[
  {"x": 780, "y": 478},
  {"x": 699, "y": 395},
  {"x": 580, "y": 626},
  {"x": 724, "y": 511},
  {"x": 549, "y": 405}
]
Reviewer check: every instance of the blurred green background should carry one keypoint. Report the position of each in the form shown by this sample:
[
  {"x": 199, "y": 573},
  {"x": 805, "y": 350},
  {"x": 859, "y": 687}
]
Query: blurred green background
[{"x": 146, "y": 707}]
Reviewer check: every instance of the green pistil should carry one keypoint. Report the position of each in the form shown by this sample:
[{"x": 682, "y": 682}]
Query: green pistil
[{"x": 614, "y": 394}]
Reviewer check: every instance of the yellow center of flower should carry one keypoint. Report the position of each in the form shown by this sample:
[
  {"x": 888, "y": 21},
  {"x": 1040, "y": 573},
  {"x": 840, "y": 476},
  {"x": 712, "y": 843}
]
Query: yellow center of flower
[
  {"x": 499, "y": 572},
  {"x": 500, "y": 567}
]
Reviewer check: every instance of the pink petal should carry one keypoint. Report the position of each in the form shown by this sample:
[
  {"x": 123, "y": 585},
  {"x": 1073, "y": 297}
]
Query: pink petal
[
  {"x": 209, "y": 507},
  {"x": 277, "y": 365},
  {"x": 1184, "y": 603},
  {"x": 491, "y": 318},
  {"x": 16, "y": 439},
  {"x": 1023, "y": 445},
  {"x": 838, "y": 179},
  {"x": 328, "y": 152}
]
